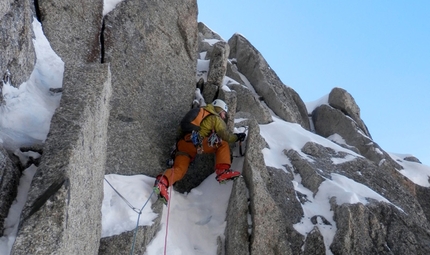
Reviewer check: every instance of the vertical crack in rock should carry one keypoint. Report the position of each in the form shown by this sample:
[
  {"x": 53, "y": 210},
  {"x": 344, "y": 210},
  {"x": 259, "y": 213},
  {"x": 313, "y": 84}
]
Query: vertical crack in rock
[
  {"x": 102, "y": 42},
  {"x": 37, "y": 11},
  {"x": 45, "y": 196}
]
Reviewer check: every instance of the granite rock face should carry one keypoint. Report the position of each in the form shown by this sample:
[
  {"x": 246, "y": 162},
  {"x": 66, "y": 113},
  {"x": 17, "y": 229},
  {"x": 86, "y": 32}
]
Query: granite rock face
[
  {"x": 9, "y": 181},
  {"x": 281, "y": 99},
  {"x": 17, "y": 55},
  {"x": 63, "y": 209},
  {"x": 152, "y": 80},
  {"x": 130, "y": 76},
  {"x": 63, "y": 22}
]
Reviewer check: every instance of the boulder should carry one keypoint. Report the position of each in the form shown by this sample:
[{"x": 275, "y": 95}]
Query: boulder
[
  {"x": 274, "y": 236},
  {"x": 422, "y": 194},
  {"x": 311, "y": 179},
  {"x": 329, "y": 121},
  {"x": 17, "y": 55},
  {"x": 314, "y": 244},
  {"x": 207, "y": 33},
  {"x": 234, "y": 74},
  {"x": 138, "y": 239},
  {"x": 217, "y": 68},
  {"x": 247, "y": 102},
  {"x": 340, "y": 99},
  {"x": 207, "y": 38},
  {"x": 153, "y": 80},
  {"x": 237, "y": 230},
  {"x": 73, "y": 30},
  {"x": 218, "y": 63},
  {"x": 377, "y": 228},
  {"x": 9, "y": 181},
  {"x": 412, "y": 159},
  {"x": 63, "y": 208},
  {"x": 282, "y": 100}
]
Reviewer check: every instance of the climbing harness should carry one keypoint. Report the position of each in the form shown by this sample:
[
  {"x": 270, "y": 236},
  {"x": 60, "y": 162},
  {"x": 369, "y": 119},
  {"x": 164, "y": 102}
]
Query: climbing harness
[{"x": 139, "y": 212}]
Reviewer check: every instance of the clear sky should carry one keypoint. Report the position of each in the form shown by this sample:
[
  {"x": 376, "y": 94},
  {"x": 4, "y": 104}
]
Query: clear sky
[{"x": 379, "y": 51}]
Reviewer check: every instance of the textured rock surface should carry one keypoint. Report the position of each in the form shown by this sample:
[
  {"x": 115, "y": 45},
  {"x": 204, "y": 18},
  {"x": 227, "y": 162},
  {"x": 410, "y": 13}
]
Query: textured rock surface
[
  {"x": 153, "y": 80},
  {"x": 9, "y": 180},
  {"x": 122, "y": 243},
  {"x": 329, "y": 121},
  {"x": 377, "y": 228},
  {"x": 63, "y": 211},
  {"x": 282, "y": 100},
  {"x": 17, "y": 55},
  {"x": 272, "y": 231},
  {"x": 342, "y": 100},
  {"x": 218, "y": 63},
  {"x": 248, "y": 103},
  {"x": 314, "y": 243},
  {"x": 204, "y": 44},
  {"x": 237, "y": 232},
  {"x": 120, "y": 117},
  {"x": 63, "y": 22}
]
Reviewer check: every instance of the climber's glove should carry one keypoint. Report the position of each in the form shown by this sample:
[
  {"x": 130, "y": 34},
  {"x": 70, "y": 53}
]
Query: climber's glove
[{"x": 240, "y": 136}]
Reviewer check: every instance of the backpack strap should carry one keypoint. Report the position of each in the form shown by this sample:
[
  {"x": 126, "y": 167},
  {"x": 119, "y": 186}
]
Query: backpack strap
[{"x": 202, "y": 114}]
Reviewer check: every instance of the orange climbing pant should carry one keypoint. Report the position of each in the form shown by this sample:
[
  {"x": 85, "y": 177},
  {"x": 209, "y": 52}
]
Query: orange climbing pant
[{"x": 187, "y": 151}]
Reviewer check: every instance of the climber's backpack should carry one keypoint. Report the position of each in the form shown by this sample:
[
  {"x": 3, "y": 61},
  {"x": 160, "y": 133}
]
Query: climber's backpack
[{"x": 193, "y": 118}]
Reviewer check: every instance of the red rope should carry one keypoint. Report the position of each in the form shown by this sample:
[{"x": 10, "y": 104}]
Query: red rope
[{"x": 168, "y": 215}]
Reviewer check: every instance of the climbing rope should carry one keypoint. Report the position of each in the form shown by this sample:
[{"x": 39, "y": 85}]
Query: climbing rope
[
  {"x": 139, "y": 212},
  {"x": 137, "y": 224},
  {"x": 167, "y": 221},
  {"x": 168, "y": 215},
  {"x": 123, "y": 198}
]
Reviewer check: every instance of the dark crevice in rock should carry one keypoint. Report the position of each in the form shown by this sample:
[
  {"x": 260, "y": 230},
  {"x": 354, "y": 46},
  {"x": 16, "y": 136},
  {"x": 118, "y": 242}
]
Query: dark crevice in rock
[
  {"x": 44, "y": 197},
  {"x": 37, "y": 10},
  {"x": 216, "y": 93},
  {"x": 102, "y": 43},
  {"x": 6, "y": 77}
]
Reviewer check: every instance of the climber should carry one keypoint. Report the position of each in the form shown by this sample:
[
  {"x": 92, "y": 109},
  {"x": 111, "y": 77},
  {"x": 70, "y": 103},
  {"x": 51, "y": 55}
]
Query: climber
[{"x": 212, "y": 136}]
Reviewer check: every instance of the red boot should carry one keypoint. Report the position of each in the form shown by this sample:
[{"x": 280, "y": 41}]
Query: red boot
[
  {"x": 160, "y": 188},
  {"x": 224, "y": 173}
]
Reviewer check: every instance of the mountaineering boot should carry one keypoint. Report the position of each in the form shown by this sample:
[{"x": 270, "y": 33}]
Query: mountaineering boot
[
  {"x": 224, "y": 173},
  {"x": 160, "y": 188}
]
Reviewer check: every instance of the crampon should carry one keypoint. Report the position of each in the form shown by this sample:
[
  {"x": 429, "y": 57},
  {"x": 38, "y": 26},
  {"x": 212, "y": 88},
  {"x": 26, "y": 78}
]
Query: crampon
[{"x": 224, "y": 175}]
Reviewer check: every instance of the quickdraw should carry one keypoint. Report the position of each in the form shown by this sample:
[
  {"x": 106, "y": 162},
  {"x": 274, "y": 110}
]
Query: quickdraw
[
  {"x": 214, "y": 140},
  {"x": 197, "y": 140}
]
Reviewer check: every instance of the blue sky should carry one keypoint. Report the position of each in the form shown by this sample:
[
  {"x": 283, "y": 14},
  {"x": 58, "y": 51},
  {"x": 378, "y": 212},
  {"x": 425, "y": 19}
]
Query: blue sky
[{"x": 379, "y": 51}]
